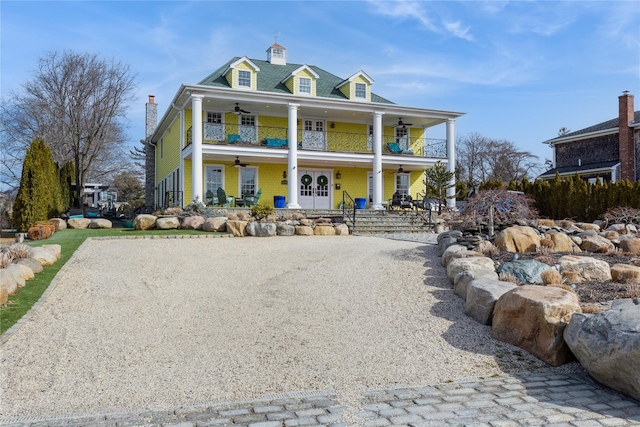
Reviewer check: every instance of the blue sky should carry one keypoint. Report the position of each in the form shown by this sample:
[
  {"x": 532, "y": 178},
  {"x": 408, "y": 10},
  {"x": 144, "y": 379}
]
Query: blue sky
[{"x": 520, "y": 70}]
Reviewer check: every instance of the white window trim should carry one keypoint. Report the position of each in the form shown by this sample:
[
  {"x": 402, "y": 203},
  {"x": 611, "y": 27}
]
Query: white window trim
[
  {"x": 300, "y": 92},
  {"x": 222, "y": 115},
  {"x": 250, "y": 80},
  {"x": 395, "y": 181},
  {"x": 212, "y": 166},
  {"x": 256, "y": 168}
]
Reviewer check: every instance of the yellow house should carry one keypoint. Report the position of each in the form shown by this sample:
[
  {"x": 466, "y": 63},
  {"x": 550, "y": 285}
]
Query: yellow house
[{"x": 304, "y": 137}]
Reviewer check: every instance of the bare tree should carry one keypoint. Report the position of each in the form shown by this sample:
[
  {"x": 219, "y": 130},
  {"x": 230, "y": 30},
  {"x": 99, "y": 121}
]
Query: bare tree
[
  {"x": 563, "y": 131},
  {"x": 76, "y": 103},
  {"x": 481, "y": 158},
  {"x": 498, "y": 207}
]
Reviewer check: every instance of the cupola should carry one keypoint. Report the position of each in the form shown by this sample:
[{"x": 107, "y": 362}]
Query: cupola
[{"x": 277, "y": 55}]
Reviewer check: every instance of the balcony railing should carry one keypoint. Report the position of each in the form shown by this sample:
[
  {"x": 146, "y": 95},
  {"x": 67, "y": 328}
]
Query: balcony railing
[{"x": 331, "y": 141}]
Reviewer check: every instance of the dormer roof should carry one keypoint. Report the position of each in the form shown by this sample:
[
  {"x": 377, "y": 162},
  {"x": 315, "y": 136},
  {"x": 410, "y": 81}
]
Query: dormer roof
[
  {"x": 239, "y": 61},
  {"x": 298, "y": 70},
  {"x": 360, "y": 73}
]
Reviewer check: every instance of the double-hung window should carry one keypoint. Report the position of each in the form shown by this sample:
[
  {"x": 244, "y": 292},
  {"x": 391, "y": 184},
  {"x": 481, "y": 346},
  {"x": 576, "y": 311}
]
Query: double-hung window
[
  {"x": 361, "y": 90},
  {"x": 213, "y": 178},
  {"x": 248, "y": 181},
  {"x": 244, "y": 78},
  {"x": 214, "y": 117},
  {"x": 402, "y": 183},
  {"x": 305, "y": 85}
]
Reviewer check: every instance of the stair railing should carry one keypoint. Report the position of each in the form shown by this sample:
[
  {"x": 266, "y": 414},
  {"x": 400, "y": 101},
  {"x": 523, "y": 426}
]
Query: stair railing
[{"x": 349, "y": 208}]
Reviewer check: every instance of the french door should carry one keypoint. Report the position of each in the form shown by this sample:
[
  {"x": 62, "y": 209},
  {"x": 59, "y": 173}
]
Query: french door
[{"x": 314, "y": 189}]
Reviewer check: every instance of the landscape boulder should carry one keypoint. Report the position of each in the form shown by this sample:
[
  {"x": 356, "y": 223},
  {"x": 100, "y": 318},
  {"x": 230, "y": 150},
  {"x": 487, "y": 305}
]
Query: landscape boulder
[
  {"x": 284, "y": 229},
  {"x": 307, "y": 222},
  {"x": 482, "y": 295},
  {"x": 607, "y": 344},
  {"x": 9, "y": 284},
  {"x": 193, "y": 222},
  {"x": 585, "y": 268},
  {"x": 524, "y": 270},
  {"x": 43, "y": 256},
  {"x": 631, "y": 245},
  {"x": 218, "y": 223},
  {"x": 461, "y": 280},
  {"x": 261, "y": 229},
  {"x": 447, "y": 239},
  {"x": 55, "y": 249},
  {"x": 304, "y": 230},
  {"x": 342, "y": 229},
  {"x": 168, "y": 223},
  {"x": 324, "y": 230},
  {"x": 625, "y": 273},
  {"x": 533, "y": 318},
  {"x": 78, "y": 223},
  {"x": 449, "y": 250},
  {"x": 459, "y": 265},
  {"x": 17, "y": 272},
  {"x": 562, "y": 243},
  {"x": 518, "y": 239},
  {"x": 32, "y": 263},
  {"x": 588, "y": 226},
  {"x": 4, "y": 295},
  {"x": 58, "y": 223},
  {"x": 596, "y": 244},
  {"x": 236, "y": 227},
  {"x": 100, "y": 223},
  {"x": 144, "y": 222}
]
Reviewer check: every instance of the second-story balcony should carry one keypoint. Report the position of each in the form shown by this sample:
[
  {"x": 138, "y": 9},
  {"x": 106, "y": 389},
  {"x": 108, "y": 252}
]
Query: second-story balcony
[{"x": 328, "y": 141}]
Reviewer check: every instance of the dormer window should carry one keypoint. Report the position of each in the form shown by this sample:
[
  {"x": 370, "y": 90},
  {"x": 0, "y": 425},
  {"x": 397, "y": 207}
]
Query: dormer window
[
  {"x": 361, "y": 90},
  {"x": 305, "y": 85},
  {"x": 244, "y": 78}
]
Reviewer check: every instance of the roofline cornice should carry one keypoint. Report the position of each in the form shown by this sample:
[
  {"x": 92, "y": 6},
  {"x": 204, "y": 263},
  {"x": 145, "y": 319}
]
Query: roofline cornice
[
  {"x": 603, "y": 132},
  {"x": 571, "y": 173}
]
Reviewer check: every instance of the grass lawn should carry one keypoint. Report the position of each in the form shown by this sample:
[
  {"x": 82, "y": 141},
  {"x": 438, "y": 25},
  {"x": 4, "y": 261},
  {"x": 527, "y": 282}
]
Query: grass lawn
[{"x": 69, "y": 240}]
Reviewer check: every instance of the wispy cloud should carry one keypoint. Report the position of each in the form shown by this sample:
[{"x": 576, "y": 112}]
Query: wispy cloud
[{"x": 416, "y": 10}]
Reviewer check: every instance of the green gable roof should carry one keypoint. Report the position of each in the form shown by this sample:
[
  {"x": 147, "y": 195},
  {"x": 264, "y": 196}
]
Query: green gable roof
[{"x": 270, "y": 77}]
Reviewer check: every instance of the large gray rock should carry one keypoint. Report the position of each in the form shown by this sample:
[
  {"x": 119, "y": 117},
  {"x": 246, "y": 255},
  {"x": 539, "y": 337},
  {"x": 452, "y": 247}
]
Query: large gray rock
[
  {"x": 447, "y": 254},
  {"x": 168, "y": 223},
  {"x": 100, "y": 223},
  {"x": 261, "y": 229},
  {"x": 607, "y": 345},
  {"x": 586, "y": 268},
  {"x": 482, "y": 295},
  {"x": 459, "y": 265},
  {"x": 445, "y": 242},
  {"x": 534, "y": 317},
  {"x": 194, "y": 222},
  {"x": 78, "y": 223},
  {"x": 524, "y": 270},
  {"x": 218, "y": 223},
  {"x": 284, "y": 229},
  {"x": 144, "y": 222},
  {"x": 32, "y": 263},
  {"x": 461, "y": 280},
  {"x": 597, "y": 244}
]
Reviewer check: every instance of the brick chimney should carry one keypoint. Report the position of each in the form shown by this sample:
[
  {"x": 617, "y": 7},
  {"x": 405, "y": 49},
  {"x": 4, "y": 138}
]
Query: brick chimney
[{"x": 625, "y": 137}]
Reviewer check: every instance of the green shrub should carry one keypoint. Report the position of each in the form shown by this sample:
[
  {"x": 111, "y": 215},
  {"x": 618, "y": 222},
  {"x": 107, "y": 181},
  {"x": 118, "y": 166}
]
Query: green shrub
[{"x": 261, "y": 211}]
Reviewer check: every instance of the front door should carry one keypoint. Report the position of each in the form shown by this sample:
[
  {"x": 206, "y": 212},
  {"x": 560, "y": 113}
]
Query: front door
[{"x": 314, "y": 188}]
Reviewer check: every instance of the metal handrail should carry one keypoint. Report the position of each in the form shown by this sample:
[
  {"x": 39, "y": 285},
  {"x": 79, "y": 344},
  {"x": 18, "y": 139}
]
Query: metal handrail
[
  {"x": 339, "y": 142},
  {"x": 345, "y": 210}
]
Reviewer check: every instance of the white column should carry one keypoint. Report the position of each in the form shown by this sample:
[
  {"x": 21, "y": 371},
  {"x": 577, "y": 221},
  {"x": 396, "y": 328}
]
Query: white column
[
  {"x": 377, "y": 161},
  {"x": 451, "y": 165},
  {"x": 196, "y": 151},
  {"x": 292, "y": 136}
]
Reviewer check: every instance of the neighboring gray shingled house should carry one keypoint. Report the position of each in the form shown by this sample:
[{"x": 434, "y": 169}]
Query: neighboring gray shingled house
[{"x": 609, "y": 150}]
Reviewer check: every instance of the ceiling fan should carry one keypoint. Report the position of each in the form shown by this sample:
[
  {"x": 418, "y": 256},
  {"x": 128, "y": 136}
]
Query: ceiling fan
[
  {"x": 237, "y": 110},
  {"x": 237, "y": 163},
  {"x": 403, "y": 124}
]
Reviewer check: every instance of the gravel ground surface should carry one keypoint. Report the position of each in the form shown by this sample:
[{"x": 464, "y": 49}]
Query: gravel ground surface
[{"x": 151, "y": 324}]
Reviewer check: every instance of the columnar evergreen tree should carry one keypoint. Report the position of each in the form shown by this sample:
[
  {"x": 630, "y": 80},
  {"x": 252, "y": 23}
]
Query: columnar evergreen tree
[
  {"x": 67, "y": 172},
  {"x": 39, "y": 195}
]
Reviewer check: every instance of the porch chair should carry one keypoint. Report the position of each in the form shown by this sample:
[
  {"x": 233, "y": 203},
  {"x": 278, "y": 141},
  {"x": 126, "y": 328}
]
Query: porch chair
[
  {"x": 250, "y": 200},
  {"x": 394, "y": 148},
  {"x": 402, "y": 201},
  {"x": 222, "y": 198}
]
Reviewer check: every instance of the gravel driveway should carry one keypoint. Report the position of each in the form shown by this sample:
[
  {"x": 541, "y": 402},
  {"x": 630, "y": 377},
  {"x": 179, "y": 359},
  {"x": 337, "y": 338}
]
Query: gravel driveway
[{"x": 151, "y": 324}]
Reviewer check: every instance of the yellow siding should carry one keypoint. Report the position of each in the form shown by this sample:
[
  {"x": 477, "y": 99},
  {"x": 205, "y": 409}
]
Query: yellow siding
[
  {"x": 229, "y": 77},
  {"x": 171, "y": 158},
  {"x": 187, "y": 122},
  {"x": 245, "y": 67},
  {"x": 307, "y": 74},
  {"x": 350, "y": 136},
  {"x": 345, "y": 91},
  {"x": 187, "y": 195},
  {"x": 353, "y": 181},
  {"x": 290, "y": 84}
]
